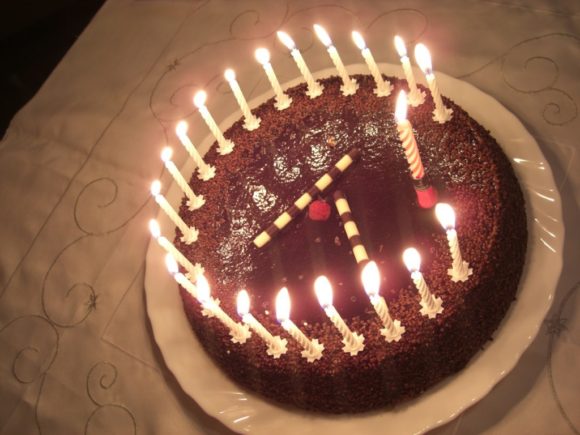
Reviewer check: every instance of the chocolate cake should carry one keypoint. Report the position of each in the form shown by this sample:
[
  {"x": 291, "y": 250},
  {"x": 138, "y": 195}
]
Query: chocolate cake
[{"x": 273, "y": 165}]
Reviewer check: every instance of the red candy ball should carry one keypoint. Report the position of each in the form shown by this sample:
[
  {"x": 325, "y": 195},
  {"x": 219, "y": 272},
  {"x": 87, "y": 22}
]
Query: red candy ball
[{"x": 319, "y": 210}]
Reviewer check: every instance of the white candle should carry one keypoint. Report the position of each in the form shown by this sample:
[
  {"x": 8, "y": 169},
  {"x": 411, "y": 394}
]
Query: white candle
[
  {"x": 239, "y": 332},
  {"x": 193, "y": 201},
  {"x": 276, "y": 345},
  {"x": 251, "y": 122},
  {"x": 206, "y": 172},
  {"x": 314, "y": 88},
  {"x": 283, "y": 101},
  {"x": 416, "y": 96},
  {"x": 408, "y": 138},
  {"x": 371, "y": 280},
  {"x": 349, "y": 86},
  {"x": 460, "y": 270},
  {"x": 179, "y": 277},
  {"x": 441, "y": 114},
  {"x": 383, "y": 88},
  {"x": 225, "y": 146},
  {"x": 193, "y": 270},
  {"x": 189, "y": 233},
  {"x": 353, "y": 342},
  {"x": 430, "y": 305},
  {"x": 312, "y": 348}
]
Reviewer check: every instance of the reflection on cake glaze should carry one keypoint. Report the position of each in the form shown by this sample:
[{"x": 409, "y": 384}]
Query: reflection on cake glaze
[
  {"x": 284, "y": 172},
  {"x": 319, "y": 158},
  {"x": 262, "y": 198}
]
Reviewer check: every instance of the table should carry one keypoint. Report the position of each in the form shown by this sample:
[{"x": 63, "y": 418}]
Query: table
[{"x": 76, "y": 349}]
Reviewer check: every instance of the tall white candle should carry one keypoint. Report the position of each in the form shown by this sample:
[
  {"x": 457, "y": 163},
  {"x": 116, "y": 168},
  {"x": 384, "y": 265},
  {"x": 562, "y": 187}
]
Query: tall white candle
[
  {"x": 276, "y": 345},
  {"x": 430, "y": 304},
  {"x": 239, "y": 332},
  {"x": 314, "y": 88},
  {"x": 353, "y": 342},
  {"x": 206, "y": 172},
  {"x": 416, "y": 96},
  {"x": 371, "y": 280},
  {"x": 441, "y": 114},
  {"x": 283, "y": 101},
  {"x": 193, "y": 270},
  {"x": 460, "y": 270},
  {"x": 190, "y": 234},
  {"x": 312, "y": 348},
  {"x": 349, "y": 85},
  {"x": 193, "y": 201},
  {"x": 225, "y": 146},
  {"x": 383, "y": 88},
  {"x": 251, "y": 122}
]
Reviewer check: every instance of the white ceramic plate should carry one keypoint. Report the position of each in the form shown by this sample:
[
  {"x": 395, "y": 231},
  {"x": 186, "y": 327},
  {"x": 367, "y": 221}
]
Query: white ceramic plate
[{"x": 244, "y": 412}]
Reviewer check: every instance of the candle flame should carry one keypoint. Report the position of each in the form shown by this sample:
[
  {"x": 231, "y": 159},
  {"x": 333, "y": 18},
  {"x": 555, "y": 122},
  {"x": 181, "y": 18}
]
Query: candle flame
[
  {"x": 400, "y": 46},
  {"x": 243, "y": 303},
  {"x": 446, "y": 215},
  {"x": 156, "y": 188},
  {"x": 283, "y": 305},
  {"x": 262, "y": 55},
  {"x": 412, "y": 259},
  {"x": 181, "y": 128},
  {"x": 371, "y": 279},
  {"x": 423, "y": 58},
  {"x": 166, "y": 154},
  {"x": 323, "y": 290},
  {"x": 154, "y": 229},
  {"x": 199, "y": 99},
  {"x": 286, "y": 40},
  {"x": 322, "y": 34},
  {"x": 203, "y": 290},
  {"x": 171, "y": 264},
  {"x": 359, "y": 40},
  {"x": 401, "y": 107},
  {"x": 230, "y": 75}
]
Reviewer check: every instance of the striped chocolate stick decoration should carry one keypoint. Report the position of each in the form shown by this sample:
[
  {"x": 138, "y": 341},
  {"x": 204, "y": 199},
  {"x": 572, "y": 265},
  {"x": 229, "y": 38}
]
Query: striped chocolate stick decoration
[
  {"x": 301, "y": 203},
  {"x": 359, "y": 251}
]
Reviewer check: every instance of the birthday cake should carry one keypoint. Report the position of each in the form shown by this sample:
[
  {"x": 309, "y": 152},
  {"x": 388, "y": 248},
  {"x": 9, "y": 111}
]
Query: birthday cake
[{"x": 273, "y": 166}]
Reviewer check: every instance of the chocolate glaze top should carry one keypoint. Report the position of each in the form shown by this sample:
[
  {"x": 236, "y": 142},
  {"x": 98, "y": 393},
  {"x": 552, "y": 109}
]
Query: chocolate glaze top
[
  {"x": 272, "y": 166},
  {"x": 269, "y": 170}
]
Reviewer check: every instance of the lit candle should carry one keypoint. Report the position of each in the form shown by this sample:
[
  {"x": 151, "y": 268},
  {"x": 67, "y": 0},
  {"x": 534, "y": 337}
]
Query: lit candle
[
  {"x": 349, "y": 86},
  {"x": 314, "y": 88},
  {"x": 416, "y": 96},
  {"x": 206, "y": 172},
  {"x": 179, "y": 277},
  {"x": 430, "y": 305},
  {"x": 312, "y": 348},
  {"x": 383, "y": 88},
  {"x": 251, "y": 122},
  {"x": 408, "y": 138},
  {"x": 283, "y": 101},
  {"x": 353, "y": 342},
  {"x": 460, "y": 270},
  {"x": 441, "y": 114},
  {"x": 276, "y": 345},
  {"x": 426, "y": 194},
  {"x": 192, "y": 270},
  {"x": 189, "y": 234},
  {"x": 371, "y": 280},
  {"x": 193, "y": 201},
  {"x": 239, "y": 332},
  {"x": 225, "y": 146}
]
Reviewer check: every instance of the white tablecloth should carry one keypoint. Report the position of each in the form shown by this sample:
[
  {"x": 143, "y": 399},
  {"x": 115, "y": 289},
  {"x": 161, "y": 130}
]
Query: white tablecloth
[{"x": 76, "y": 349}]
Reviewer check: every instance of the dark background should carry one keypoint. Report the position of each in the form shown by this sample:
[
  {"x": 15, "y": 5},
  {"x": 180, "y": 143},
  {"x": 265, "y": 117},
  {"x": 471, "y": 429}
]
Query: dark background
[{"x": 34, "y": 37}]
